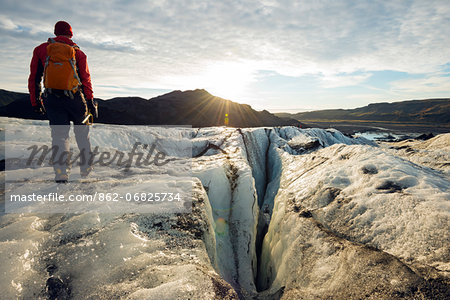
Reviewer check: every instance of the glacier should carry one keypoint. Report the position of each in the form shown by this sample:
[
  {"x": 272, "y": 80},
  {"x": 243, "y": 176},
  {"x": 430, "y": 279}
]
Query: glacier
[{"x": 276, "y": 213}]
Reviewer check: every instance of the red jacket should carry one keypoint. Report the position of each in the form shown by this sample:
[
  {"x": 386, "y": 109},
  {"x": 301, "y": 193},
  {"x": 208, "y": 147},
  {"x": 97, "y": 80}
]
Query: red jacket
[{"x": 37, "y": 70}]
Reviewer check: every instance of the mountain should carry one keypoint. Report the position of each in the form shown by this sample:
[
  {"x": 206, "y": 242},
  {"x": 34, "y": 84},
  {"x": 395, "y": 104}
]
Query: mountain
[
  {"x": 6, "y": 97},
  {"x": 197, "y": 108},
  {"x": 412, "y": 111}
]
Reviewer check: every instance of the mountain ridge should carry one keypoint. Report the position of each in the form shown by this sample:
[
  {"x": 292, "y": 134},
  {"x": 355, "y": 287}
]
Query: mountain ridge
[
  {"x": 409, "y": 111},
  {"x": 197, "y": 108}
]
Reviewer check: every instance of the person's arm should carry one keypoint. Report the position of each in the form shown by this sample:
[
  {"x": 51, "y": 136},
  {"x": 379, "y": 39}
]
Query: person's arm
[
  {"x": 35, "y": 78},
  {"x": 85, "y": 76}
]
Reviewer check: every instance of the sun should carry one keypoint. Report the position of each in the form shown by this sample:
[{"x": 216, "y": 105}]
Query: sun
[{"x": 228, "y": 80}]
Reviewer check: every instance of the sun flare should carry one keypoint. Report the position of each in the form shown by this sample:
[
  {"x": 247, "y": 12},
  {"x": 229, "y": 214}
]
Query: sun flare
[{"x": 228, "y": 80}]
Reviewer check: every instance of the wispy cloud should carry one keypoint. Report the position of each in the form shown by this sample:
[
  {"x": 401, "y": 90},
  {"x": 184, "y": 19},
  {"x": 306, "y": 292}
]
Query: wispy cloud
[
  {"x": 431, "y": 84},
  {"x": 161, "y": 44},
  {"x": 342, "y": 80}
]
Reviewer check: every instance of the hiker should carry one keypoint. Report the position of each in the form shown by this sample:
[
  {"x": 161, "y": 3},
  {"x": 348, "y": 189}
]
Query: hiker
[{"x": 68, "y": 96}]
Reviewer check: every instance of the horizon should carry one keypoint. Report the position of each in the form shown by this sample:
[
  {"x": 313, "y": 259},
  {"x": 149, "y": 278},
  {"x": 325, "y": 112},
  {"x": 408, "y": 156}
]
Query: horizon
[
  {"x": 273, "y": 111},
  {"x": 281, "y": 57}
]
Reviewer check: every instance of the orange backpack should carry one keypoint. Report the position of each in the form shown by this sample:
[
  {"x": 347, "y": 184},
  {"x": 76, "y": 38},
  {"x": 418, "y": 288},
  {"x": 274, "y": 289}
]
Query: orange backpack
[{"x": 60, "y": 71}]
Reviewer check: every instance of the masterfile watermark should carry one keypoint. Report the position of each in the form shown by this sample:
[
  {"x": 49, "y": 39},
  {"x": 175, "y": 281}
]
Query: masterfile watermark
[
  {"x": 124, "y": 169},
  {"x": 100, "y": 197},
  {"x": 140, "y": 155}
]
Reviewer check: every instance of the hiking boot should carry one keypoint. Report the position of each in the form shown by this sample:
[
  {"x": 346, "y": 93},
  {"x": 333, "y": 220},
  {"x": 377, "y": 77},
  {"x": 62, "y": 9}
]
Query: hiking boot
[
  {"x": 85, "y": 173},
  {"x": 63, "y": 178}
]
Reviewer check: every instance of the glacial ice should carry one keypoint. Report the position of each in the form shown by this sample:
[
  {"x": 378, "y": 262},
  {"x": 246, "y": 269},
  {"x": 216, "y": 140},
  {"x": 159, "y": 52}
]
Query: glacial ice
[{"x": 276, "y": 213}]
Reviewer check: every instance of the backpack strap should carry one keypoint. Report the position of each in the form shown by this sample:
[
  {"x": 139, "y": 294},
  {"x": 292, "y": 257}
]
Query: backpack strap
[{"x": 52, "y": 40}]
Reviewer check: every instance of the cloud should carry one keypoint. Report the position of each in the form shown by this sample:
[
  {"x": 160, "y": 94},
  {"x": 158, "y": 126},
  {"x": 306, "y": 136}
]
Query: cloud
[
  {"x": 159, "y": 43},
  {"x": 7, "y": 24},
  {"x": 109, "y": 45},
  {"x": 433, "y": 84},
  {"x": 343, "y": 80}
]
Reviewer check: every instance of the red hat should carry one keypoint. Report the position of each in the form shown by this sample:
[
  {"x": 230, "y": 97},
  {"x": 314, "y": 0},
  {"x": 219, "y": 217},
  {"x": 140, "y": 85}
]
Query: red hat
[{"x": 63, "y": 28}]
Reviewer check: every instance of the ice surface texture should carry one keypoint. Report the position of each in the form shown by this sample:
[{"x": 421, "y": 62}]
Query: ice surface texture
[{"x": 276, "y": 213}]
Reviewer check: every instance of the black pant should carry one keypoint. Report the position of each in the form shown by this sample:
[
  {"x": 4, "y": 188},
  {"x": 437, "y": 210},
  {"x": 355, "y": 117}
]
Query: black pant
[{"x": 61, "y": 110}]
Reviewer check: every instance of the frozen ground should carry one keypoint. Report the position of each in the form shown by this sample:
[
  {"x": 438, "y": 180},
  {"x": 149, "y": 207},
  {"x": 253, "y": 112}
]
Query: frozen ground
[
  {"x": 275, "y": 213},
  {"x": 433, "y": 153}
]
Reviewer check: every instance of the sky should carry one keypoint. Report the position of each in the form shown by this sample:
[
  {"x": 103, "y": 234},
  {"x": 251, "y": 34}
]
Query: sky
[{"x": 277, "y": 55}]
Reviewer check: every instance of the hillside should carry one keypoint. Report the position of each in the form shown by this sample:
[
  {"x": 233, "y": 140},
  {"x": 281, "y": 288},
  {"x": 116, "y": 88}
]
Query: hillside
[
  {"x": 6, "y": 97},
  {"x": 197, "y": 108},
  {"x": 412, "y": 111}
]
